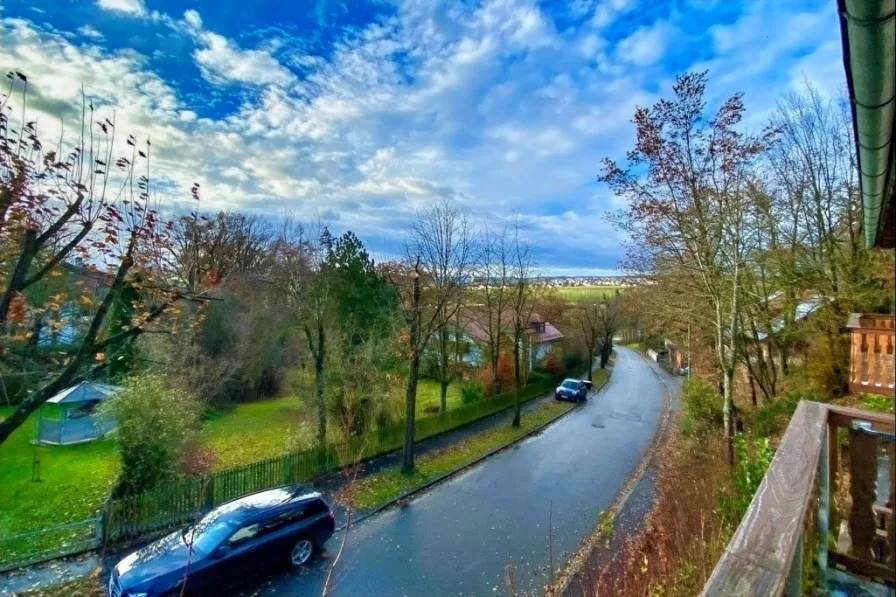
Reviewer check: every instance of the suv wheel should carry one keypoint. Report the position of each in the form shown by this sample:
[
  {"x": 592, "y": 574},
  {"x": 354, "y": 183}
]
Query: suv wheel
[{"x": 301, "y": 552}]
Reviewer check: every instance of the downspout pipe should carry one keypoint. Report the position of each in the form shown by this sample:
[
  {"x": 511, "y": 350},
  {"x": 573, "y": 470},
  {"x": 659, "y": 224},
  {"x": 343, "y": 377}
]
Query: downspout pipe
[{"x": 868, "y": 29}]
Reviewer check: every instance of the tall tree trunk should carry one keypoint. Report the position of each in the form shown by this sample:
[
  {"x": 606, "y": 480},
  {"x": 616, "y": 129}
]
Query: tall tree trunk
[
  {"x": 444, "y": 375},
  {"x": 727, "y": 386},
  {"x": 750, "y": 376},
  {"x": 319, "y": 373},
  {"x": 407, "y": 464},
  {"x": 591, "y": 357},
  {"x": 496, "y": 381},
  {"x": 318, "y": 349},
  {"x": 516, "y": 381},
  {"x": 29, "y": 251}
]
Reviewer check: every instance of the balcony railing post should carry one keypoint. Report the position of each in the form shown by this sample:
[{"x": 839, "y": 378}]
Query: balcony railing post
[
  {"x": 795, "y": 576},
  {"x": 824, "y": 501}
]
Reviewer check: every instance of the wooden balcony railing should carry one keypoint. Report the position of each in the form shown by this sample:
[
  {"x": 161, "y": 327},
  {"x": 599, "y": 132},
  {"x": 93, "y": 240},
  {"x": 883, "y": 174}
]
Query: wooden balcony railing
[
  {"x": 817, "y": 508},
  {"x": 872, "y": 367}
]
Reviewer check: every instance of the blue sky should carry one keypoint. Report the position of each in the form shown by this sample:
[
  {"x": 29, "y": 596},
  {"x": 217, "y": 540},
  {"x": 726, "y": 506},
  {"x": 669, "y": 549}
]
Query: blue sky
[{"x": 363, "y": 112}]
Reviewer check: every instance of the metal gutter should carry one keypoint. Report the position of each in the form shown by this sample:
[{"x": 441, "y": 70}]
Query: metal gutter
[{"x": 868, "y": 30}]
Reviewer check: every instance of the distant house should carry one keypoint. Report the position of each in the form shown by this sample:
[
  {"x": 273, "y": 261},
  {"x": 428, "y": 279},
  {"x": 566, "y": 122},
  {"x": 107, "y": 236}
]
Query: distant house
[
  {"x": 70, "y": 319},
  {"x": 539, "y": 340}
]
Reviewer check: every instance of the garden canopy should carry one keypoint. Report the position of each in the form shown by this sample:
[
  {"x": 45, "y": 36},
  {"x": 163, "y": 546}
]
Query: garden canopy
[{"x": 70, "y": 417}]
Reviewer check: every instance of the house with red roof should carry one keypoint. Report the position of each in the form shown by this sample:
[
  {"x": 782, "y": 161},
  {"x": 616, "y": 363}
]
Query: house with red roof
[{"x": 539, "y": 341}]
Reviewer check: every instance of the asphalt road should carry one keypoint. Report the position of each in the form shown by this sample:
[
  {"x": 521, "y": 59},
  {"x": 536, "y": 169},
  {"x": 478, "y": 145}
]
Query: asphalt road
[{"x": 461, "y": 537}]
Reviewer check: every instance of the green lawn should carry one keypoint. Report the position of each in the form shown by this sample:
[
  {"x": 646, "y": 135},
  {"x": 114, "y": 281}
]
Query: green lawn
[
  {"x": 429, "y": 393},
  {"x": 578, "y": 293},
  {"x": 74, "y": 480},
  {"x": 257, "y": 430}
]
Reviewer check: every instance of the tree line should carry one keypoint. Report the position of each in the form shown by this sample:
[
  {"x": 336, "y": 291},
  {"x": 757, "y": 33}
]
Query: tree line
[
  {"x": 750, "y": 240},
  {"x": 99, "y": 282}
]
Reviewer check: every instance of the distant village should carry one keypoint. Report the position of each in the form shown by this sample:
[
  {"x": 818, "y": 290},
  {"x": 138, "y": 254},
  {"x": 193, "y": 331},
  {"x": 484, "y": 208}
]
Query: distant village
[{"x": 559, "y": 281}]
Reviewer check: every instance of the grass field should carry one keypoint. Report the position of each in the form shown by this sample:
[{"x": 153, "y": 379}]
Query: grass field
[
  {"x": 429, "y": 391},
  {"x": 276, "y": 426},
  {"x": 75, "y": 480},
  {"x": 578, "y": 293}
]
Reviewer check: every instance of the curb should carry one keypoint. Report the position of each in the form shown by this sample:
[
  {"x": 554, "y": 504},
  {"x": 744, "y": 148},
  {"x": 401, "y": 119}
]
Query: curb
[
  {"x": 463, "y": 467},
  {"x": 581, "y": 557}
]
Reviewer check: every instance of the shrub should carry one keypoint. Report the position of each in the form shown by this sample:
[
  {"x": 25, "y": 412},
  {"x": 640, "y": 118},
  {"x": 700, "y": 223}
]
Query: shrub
[
  {"x": 878, "y": 403},
  {"x": 155, "y": 426},
  {"x": 505, "y": 374},
  {"x": 198, "y": 459},
  {"x": 553, "y": 367},
  {"x": 772, "y": 418},
  {"x": 702, "y": 407},
  {"x": 471, "y": 392},
  {"x": 752, "y": 462},
  {"x": 572, "y": 361},
  {"x": 540, "y": 376}
]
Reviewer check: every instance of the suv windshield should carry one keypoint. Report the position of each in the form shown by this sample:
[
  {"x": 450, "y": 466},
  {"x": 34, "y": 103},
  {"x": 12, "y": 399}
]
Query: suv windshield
[{"x": 571, "y": 384}]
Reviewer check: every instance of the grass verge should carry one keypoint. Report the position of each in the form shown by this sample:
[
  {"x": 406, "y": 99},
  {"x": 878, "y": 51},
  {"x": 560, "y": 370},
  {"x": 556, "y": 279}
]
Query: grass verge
[
  {"x": 390, "y": 483},
  {"x": 79, "y": 587}
]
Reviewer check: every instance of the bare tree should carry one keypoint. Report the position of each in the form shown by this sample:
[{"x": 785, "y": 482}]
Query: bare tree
[
  {"x": 815, "y": 240},
  {"x": 690, "y": 206},
  {"x": 493, "y": 269},
  {"x": 609, "y": 319},
  {"x": 301, "y": 272},
  {"x": 53, "y": 207},
  {"x": 598, "y": 321},
  {"x": 211, "y": 248},
  {"x": 49, "y": 202},
  {"x": 438, "y": 260},
  {"x": 523, "y": 298},
  {"x": 447, "y": 355}
]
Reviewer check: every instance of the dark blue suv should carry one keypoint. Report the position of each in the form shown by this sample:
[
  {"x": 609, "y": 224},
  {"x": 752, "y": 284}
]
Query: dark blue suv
[
  {"x": 575, "y": 390},
  {"x": 248, "y": 534}
]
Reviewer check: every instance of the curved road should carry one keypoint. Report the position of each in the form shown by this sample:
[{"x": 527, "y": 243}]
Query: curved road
[{"x": 460, "y": 537}]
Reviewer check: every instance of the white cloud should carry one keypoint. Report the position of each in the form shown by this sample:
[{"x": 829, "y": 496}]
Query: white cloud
[
  {"x": 88, "y": 31},
  {"x": 130, "y": 7},
  {"x": 193, "y": 20},
  {"x": 221, "y": 60},
  {"x": 487, "y": 103},
  {"x": 608, "y": 11},
  {"x": 646, "y": 45}
]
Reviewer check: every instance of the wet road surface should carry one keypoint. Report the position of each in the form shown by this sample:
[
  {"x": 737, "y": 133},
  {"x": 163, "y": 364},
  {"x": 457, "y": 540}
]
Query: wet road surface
[{"x": 461, "y": 537}]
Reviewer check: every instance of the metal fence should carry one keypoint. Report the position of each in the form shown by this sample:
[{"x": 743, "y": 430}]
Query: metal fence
[{"x": 50, "y": 543}]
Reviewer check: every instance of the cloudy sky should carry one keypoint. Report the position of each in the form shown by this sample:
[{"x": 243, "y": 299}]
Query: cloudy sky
[{"x": 365, "y": 112}]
